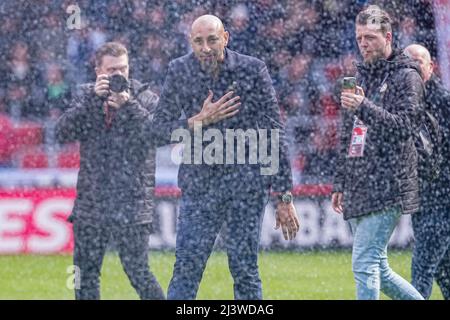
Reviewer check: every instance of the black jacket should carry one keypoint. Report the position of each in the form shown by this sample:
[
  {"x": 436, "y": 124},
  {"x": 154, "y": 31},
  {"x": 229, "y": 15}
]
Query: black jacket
[
  {"x": 386, "y": 175},
  {"x": 185, "y": 89},
  {"x": 117, "y": 165},
  {"x": 436, "y": 195}
]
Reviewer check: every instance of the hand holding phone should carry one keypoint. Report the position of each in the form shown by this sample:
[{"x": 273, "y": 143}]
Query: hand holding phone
[
  {"x": 352, "y": 95},
  {"x": 349, "y": 85}
]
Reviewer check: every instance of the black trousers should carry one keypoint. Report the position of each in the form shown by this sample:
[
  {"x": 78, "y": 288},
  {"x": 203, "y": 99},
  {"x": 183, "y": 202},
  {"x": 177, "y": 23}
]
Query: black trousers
[
  {"x": 431, "y": 254},
  {"x": 132, "y": 244}
]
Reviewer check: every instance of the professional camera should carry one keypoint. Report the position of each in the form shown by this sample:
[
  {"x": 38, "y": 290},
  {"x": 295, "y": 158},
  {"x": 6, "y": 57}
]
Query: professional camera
[{"x": 118, "y": 83}]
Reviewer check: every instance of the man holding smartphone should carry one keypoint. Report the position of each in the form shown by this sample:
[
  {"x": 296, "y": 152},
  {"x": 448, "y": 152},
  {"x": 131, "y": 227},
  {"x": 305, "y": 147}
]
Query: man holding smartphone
[{"x": 376, "y": 177}]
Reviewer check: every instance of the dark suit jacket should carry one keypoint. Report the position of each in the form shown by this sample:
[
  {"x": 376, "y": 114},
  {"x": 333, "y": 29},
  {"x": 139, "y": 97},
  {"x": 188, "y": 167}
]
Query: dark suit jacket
[
  {"x": 435, "y": 195},
  {"x": 186, "y": 87}
]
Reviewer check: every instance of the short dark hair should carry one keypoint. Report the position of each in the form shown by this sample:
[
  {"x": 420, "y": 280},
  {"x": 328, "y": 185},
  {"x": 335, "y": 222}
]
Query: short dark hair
[
  {"x": 376, "y": 16},
  {"x": 114, "y": 49}
]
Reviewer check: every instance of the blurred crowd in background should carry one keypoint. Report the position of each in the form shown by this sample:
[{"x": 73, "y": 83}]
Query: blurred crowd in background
[{"x": 307, "y": 45}]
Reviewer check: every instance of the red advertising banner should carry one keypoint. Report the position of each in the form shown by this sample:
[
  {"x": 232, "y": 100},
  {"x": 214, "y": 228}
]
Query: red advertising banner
[{"x": 34, "y": 221}]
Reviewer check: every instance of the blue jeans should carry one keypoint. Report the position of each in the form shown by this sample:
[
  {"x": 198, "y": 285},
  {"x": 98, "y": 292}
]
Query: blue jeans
[
  {"x": 371, "y": 234},
  {"x": 431, "y": 255},
  {"x": 199, "y": 223}
]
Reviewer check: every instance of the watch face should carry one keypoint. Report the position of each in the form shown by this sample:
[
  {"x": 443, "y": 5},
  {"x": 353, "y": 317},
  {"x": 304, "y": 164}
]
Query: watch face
[{"x": 286, "y": 198}]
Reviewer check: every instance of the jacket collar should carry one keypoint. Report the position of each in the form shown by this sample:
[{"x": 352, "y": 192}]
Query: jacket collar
[
  {"x": 433, "y": 82},
  {"x": 431, "y": 85},
  {"x": 230, "y": 61},
  {"x": 380, "y": 64}
]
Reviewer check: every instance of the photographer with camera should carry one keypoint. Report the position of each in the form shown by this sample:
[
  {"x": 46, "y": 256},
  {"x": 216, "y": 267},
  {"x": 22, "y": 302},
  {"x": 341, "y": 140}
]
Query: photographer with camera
[
  {"x": 117, "y": 173},
  {"x": 114, "y": 90}
]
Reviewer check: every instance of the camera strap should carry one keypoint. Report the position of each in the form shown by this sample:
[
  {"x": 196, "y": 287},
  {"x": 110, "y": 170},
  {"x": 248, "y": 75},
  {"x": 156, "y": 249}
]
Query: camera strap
[{"x": 109, "y": 114}]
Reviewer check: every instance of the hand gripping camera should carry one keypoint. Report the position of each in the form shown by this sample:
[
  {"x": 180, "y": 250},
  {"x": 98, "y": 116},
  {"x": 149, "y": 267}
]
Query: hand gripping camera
[{"x": 118, "y": 83}]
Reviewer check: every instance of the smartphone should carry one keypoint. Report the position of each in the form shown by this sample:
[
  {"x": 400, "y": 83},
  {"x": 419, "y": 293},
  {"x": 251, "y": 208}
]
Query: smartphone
[{"x": 349, "y": 84}]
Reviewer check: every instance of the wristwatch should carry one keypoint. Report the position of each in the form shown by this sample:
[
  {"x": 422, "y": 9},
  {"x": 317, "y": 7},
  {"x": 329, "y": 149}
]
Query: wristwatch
[{"x": 286, "y": 197}]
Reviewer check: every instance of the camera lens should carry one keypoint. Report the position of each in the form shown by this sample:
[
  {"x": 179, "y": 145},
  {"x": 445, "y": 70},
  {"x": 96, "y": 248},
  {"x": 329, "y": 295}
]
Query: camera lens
[{"x": 118, "y": 83}]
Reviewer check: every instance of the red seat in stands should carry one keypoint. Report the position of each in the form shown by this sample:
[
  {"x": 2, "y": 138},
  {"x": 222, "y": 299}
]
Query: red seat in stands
[
  {"x": 69, "y": 157},
  {"x": 32, "y": 158},
  {"x": 27, "y": 133},
  {"x": 6, "y": 139}
]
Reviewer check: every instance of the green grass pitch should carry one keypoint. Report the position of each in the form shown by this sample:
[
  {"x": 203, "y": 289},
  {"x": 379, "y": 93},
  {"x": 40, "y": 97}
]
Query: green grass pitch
[{"x": 313, "y": 275}]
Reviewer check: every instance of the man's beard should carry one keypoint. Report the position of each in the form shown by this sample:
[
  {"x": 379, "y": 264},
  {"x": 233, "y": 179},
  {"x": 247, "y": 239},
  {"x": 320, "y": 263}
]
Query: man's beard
[
  {"x": 375, "y": 57},
  {"x": 210, "y": 67}
]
